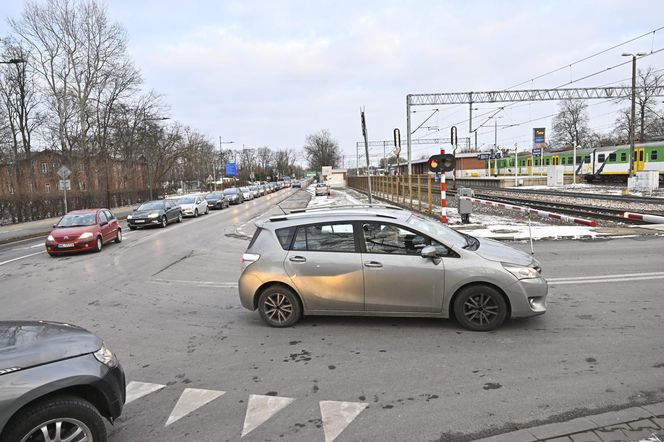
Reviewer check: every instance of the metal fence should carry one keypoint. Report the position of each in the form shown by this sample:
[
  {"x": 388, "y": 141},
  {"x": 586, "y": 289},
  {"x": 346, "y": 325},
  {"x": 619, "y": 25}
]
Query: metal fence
[{"x": 424, "y": 194}]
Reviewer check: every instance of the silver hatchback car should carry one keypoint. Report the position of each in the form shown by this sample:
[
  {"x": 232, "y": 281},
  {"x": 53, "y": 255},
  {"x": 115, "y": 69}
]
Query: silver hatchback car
[{"x": 384, "y": 261}]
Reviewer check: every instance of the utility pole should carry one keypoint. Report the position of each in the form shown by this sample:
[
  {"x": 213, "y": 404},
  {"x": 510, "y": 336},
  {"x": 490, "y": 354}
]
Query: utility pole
[
  {"x": 633, "y": 113},
  {"x": 366, "y": 149},
  {"x": 495, "y": 145}
]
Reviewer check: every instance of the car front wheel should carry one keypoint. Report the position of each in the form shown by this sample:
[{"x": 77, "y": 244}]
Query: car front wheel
[
  {"x": 98, "y": 244},
  {"x": 58, "y": 419},
  {"x": 118, "y": 236},
  {"x": 279, "y": 306},
  {"x": 180, "y": 217},
  {"x": 195, "y": 213},
  {"x": 164, "y": 221},
  {"x": 480, "y": 308}
]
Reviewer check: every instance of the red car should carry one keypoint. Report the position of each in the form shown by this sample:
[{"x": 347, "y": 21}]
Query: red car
[{"x": 82, "y": 230}]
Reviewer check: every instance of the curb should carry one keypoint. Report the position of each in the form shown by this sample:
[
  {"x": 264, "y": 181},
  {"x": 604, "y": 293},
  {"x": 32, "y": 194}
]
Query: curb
[{"x": 580, "y": 425}]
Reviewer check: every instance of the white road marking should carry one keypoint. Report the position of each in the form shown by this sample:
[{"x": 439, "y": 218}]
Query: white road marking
[
  {"x": 198, "y": 283},
  {"x": 261, "y": 408},
  {"x": 600, "y": 279},
  {"x": 21, "y": 257},
  {"x": 136, "y": 390},
  {"x": 338, "y": 415},
  {"x": 190, "y": 400}
]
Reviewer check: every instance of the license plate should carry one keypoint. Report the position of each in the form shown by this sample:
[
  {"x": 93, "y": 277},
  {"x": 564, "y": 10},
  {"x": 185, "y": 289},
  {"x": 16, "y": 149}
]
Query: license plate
[
  {"x": 67, "y": 245},
  {"x": 139, "y": 221}
]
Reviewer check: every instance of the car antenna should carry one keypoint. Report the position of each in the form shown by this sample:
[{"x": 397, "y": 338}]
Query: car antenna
[{"x": 281, "y": 208}]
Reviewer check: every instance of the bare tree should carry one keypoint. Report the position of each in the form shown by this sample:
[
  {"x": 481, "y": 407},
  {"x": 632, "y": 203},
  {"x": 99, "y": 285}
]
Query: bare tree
[
  {"x": 570, "y": 125},
  {"x": 320, "y": 149},
  {"x": 646, "y": 115}
]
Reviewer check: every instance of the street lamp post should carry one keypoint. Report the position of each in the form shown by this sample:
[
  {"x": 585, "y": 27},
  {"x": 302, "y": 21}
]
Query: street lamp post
[
  {"x": 214, "y": 163},
  {"x": 633, "y": 113}
]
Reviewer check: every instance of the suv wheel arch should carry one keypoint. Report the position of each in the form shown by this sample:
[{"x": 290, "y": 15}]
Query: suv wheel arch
[
  {"x": 267, "y": 285},
  {"x": 450, "y": 304}
]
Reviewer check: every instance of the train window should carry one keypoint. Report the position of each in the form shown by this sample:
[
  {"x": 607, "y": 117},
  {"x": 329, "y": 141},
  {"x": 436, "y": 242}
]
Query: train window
[
  {"x": 548, "y": 161},
  {"x": 641, "y": 155},
  {"x": 612, "y": 157},
  {"x": 578, "y": 159},
  {"x": 601, "y": 157},
  {"x": 623, "y": 157},
  {"x": 653, "y": 154},
  {"x": 586, "y": 159}
]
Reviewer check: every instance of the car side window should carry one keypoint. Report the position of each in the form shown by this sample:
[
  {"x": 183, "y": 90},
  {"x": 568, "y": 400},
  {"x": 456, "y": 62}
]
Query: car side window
[
  {"x": 395, "y": 240},
  {"x": 109, "y": 215},
  {"x": 102, "y": 217},
  {"x": 325, "y": 238}
]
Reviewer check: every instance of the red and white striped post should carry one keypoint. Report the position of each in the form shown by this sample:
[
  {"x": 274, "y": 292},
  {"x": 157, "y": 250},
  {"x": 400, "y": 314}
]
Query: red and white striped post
[
  {"x": 656, "y": 219},
  {"x": 443, "y": 196}
]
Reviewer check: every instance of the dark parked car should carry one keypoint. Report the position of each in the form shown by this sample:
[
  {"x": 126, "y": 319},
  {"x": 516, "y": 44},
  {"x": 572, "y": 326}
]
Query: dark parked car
[
  {"x": 57, "y": 383},
  {"x": 83, "y": 230},
  {"x": 155, "y": 213},
  {"x": 216, "y": 200},
  {"x": 233, "y": 195}
]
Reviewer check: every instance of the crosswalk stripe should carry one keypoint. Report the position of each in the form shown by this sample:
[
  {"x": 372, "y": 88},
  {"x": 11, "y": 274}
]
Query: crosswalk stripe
[
  {"x": 136, "y": 390},
  {"x": 338, "y": 415},
  {"x": 190, "y": 400},
  {"x": 261, "y": 408}
]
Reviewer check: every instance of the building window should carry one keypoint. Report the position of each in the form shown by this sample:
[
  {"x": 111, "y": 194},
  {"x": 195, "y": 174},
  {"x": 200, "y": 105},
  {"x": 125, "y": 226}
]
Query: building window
[
  {"x": 48, "y": 188},
  {"x": 11, "y": 189},
  {"x": 32, "y": 188},
  {"x": 44, "y": 167}
]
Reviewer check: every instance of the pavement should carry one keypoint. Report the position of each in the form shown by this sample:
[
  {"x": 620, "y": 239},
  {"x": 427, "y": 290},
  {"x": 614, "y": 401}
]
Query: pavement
[
  {"x": 202, "y": 368},
  {"x": 643, "y": 424}
]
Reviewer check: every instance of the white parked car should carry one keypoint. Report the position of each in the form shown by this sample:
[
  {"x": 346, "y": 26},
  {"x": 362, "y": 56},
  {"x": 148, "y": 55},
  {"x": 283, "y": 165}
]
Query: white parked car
[
  {"x": 247, "y": 193},
  {"x": 193, "y": 205}
]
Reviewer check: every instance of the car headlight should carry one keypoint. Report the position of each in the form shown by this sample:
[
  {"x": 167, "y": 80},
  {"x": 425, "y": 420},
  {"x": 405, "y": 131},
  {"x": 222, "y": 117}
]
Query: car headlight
[
  {"x": 129, "y": 217},
  {"x": 50, "y": 238},
  {"x": 153, "y": 215},
  {"x": 106, "y": 356},
  {"x": 86, "y": 235},
  {"x": 522, "y": 272}
]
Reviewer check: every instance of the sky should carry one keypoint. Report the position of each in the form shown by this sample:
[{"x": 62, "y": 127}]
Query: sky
[{"x": 268, "y": 73}]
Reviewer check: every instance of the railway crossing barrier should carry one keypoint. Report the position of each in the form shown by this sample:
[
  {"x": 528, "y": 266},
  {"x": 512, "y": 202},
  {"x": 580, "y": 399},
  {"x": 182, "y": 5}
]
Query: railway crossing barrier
[
  {"x": 645, "y": 217},
  {"x": 528, "y": 210}
]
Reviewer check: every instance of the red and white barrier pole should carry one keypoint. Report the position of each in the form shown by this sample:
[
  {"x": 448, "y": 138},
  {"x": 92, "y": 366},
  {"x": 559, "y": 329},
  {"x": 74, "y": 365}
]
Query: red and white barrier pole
[
  {"x": 443, "y": 196},
  {"x": 645, "y": 217},
  {"x": 542, "y": 213}
]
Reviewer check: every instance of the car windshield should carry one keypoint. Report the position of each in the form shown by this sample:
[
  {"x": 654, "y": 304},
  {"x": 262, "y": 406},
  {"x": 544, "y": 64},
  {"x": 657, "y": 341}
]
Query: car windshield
[
  {"x": 78, "y": 220},
  {"x": 254, "y": 188},
  {"x": 213, "y": 196},
  {"x": 187, "y": 200},
  {"x": 232, "y": 191},
  {"x": 321, "y": 185},
  {"x": 437, "y": 230},
  {"x": 244, "y": 189},
  {"x": 152, "y": 205}
]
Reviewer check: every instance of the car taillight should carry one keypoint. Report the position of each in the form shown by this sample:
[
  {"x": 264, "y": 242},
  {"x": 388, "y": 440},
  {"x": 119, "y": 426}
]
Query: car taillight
[{"x": 249, "y": 258}]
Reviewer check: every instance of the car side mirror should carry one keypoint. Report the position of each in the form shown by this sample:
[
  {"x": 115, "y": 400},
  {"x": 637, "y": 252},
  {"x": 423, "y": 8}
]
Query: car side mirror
[
  {"x": 431, "y": 252},
  {"x": 55, "y": 226}
]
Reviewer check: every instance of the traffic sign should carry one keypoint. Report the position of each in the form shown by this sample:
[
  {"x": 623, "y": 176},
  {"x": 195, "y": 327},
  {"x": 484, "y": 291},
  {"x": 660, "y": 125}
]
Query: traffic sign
[
  {"x": 231, "y": 169},
  {"x": 484, "y": 156},
  {"x": 64, "y": 172},
  {"x": 537, "y": 151},
  {"x": 64, "y": 185}
]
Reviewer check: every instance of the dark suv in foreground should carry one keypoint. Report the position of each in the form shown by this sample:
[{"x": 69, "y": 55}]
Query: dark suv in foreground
[{"x": 56, "y": 382}]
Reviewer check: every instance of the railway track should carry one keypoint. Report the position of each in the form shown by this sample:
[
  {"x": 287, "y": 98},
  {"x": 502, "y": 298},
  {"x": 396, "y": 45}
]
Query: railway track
[{"x": 584, "y": 195}]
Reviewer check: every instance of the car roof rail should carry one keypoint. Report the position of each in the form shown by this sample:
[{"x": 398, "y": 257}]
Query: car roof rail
[{"x": 347, "y": 206}]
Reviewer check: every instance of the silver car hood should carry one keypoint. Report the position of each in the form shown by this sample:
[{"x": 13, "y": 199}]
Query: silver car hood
[
  {"x": 496, "y": 251},
  {"x": 187, "y": 206}
]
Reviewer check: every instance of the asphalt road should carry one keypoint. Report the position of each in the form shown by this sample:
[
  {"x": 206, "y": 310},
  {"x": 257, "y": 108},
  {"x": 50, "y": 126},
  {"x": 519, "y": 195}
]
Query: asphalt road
[{"x": 166, "y": 302}]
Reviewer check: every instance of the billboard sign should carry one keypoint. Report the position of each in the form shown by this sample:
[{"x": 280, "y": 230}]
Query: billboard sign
[
  {"x": 539, "y": 135},
  {"x": 231, "y": 169}
]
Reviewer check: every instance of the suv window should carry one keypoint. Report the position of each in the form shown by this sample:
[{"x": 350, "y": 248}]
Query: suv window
[
  {"x": 325, "y": 238},
  {"x": 392, "y": 239},
  {"x": 285, "y": 237}
]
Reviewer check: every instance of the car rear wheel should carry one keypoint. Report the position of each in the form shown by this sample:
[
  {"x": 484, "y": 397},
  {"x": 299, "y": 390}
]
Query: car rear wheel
[
  {"x": 58, "y": 419},
  {"x": 52, "y": 255},
  {"x": 480, "y": 308},
  {"x": 133, "y": 227},
  {"x": 99, "y": 244},
  {"x": 164, "y": 221},
  {"x": 180, "y": 217},
  {"x": 207, "y": 210},
  {"x": 279, "y": 306},
  {"x": 118, "y": 236},
  {"x": 195, "y": 213}
]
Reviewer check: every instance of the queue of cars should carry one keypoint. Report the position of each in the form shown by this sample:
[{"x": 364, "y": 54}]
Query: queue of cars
[{"x": 91, "y": 229}]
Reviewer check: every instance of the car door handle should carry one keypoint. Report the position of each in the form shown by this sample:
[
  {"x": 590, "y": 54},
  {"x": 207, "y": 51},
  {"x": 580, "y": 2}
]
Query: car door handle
[
  {"x": 373, "y": 264},
  {"x": 297, "y": 259}
]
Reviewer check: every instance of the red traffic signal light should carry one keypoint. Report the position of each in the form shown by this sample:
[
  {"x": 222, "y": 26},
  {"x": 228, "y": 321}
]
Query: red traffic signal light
[{"x": 441, "y": 163}]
